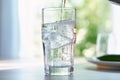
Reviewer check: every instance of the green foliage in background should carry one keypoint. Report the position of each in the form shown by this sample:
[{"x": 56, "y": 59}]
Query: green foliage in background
[{"x": 91, "y": 15}]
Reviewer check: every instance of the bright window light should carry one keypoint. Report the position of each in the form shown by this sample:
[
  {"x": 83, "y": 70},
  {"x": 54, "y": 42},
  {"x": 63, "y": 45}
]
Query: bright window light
[{"x": 30, "y": 24}]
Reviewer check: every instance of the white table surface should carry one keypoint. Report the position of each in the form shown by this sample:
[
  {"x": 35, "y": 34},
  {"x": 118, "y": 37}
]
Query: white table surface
[{"x": 34, "y": 70}]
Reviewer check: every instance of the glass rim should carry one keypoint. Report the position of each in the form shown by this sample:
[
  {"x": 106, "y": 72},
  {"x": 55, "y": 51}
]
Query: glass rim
[{"x": 58, "y": 8}]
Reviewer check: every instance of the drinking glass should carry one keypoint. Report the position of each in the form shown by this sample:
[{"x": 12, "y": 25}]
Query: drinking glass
[
  {"x": 102, "y": 44},
  {"x": 107, "y": 43},
  {"x": 58, "y": 36}
]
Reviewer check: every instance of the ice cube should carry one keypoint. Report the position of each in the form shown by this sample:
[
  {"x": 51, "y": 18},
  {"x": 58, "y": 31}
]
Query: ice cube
[
  {"x": 66, "y": 27},
  {"x": 57, "y": 40},
  {"x": 50, "y": 27},
  {"x": 47, "y": 29}
]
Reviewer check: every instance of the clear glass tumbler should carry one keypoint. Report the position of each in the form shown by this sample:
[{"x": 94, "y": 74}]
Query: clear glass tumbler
[
  {"x": 107, "y": 43},
  {"x": 58, "y": 35}
]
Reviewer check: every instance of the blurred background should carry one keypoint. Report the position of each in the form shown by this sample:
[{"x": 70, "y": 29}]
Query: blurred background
[{"x": 20, "y": 26}]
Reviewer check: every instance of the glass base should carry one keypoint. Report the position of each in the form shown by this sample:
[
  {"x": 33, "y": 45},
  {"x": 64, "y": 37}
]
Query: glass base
[
  {"x": 58, "y": 77},
  {"x": 59, "y": 71}
]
